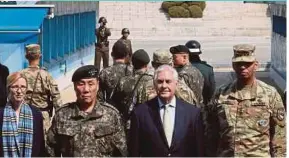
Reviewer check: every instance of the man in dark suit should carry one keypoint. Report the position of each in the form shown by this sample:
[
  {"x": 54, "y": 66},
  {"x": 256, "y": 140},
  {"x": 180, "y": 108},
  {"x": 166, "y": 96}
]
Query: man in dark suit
[{"x": 165, "y": 125}]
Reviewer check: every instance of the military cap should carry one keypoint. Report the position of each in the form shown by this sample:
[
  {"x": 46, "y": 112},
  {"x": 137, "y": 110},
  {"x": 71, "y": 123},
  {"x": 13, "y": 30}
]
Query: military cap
[
  {"x": 140, "y": 58},
  {"x": 162, "y": 56},
  {"x": 244, "y": 53},
  {"x": 179, "y": 49},
  {"x": 33, "y": 48},
  {"x": 194, "y": 47},
  {"x": 125, "y": 30},
  {"x": 119, "y": 50},
  {"x": 85, "y": 72},
  {"x": 102, "y": 19}
]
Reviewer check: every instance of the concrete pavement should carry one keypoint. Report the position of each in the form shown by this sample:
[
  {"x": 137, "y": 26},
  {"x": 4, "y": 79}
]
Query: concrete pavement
[{"x": 217, "y": 51}]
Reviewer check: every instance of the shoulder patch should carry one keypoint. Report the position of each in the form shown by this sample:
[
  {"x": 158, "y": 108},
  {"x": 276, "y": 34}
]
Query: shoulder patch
[
  {"x": 109, "y": 106},
  {"x": 64, "y": 106}
]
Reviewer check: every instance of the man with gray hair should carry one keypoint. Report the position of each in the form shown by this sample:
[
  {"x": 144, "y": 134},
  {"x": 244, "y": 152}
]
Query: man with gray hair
[
  {"x": 165, "y": 125},
  {"x": 164, "y": 57}
]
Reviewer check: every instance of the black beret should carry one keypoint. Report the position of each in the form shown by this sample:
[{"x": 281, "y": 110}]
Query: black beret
[
  {"x": 87, "y": 71},
  {"x": 119, "y": 50},
  {"x": 140, "y": 58},
  {"x": 179, "y": 49}
]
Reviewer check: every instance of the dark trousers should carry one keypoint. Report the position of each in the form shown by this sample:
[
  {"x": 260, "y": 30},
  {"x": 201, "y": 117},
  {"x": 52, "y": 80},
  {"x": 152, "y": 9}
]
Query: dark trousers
[{"x": 101, "y": 53}]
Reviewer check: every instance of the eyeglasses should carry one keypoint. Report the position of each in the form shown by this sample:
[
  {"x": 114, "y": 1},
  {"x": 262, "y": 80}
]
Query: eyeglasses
[{"x": 16, "y": 88}]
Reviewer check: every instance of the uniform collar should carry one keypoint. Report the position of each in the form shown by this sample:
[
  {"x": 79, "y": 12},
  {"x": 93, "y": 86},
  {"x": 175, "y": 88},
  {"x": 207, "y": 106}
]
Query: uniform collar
[
  {"x": 244, "y": 93},
  {"x": 118, "y": 63},
  {"x": 139, "y": 72},
  {"x": 96, "y": 112},
  {"x": 34, "y": 67}
]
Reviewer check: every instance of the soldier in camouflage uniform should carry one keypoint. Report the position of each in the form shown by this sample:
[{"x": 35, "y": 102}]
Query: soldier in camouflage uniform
[
  {"x": 247, "y": 117},
  {"x": 42, "y": 90},
  {"x": 124, "y": 39},
  {"x": 87, "y": 127},
  {"x": 206, "y": 69},
  {"x": 129, "y": 90},
  {"x": 190, "y": 74},
  {"x": 110, "y": 76},
  {"x": 102, "y": 45},
  {"x": 164, "y": 57}
]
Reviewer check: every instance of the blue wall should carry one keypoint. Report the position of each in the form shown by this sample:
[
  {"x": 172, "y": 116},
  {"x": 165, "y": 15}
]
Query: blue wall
[
  {"x": 12, "y": 55},
  {"x": 65, "y": 39},
  {"x": 13, "y": 19}
]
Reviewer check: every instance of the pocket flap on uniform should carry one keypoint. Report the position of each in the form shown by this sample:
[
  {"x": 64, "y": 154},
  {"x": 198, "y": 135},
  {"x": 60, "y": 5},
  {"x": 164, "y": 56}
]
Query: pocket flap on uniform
[
  {"x": 67, "y": 130},
  {"x": 101, "y": 132},
  {"x": 260, "y": 102}
]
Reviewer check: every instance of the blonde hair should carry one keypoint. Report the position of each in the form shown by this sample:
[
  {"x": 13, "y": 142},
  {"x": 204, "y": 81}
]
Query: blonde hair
[{"x": 12, "y": 78}]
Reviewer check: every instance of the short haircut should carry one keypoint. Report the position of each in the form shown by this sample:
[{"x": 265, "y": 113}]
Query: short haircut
[{"x": 32, "y": 56}]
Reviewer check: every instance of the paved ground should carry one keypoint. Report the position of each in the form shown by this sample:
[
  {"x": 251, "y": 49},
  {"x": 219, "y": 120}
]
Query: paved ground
[
  {"x": 224, "y": 24},
  {"x": 217, "y": 53}
]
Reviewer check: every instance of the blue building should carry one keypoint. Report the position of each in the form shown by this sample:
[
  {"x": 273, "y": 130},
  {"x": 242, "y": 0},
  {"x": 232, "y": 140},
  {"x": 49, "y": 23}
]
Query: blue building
[{"x": 65, "y": 31}]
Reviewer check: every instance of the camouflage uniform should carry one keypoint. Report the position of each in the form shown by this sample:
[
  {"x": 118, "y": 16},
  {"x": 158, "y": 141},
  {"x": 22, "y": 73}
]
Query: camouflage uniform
[
  {"x": 209, "y": 79},
  {"x": 75, "y": 133},
  {"x": 124, "y": 94},
  {"x": 248, "y": 121},
  {"x": 127, "y": 43},
  {"x": 102, "y": 47},
  {"x": 251, "y": 122},
  {"x": 206, "y": 69},
  {"x": 194, "y": 79},
  {"x": 46, "y": 95},
  {"x": 110, "y": 76}
]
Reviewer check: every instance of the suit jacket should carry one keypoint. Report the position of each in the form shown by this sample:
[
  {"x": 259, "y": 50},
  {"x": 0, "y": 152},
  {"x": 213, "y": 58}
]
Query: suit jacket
[
  {"x": 147, "y": 137},
  {"x": 38, "y": 145}
]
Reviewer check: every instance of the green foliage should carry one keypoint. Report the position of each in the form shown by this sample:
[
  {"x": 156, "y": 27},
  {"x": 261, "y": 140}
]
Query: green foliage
[
  {"x": 195, "y": 11},
  {"x": 167, "y": 4},
  {"x": 178, "y": 11},
  {"x": 184, "y": 9},
  {"x": 203, "y": 5},
  {"x": 185, "y": 5}
]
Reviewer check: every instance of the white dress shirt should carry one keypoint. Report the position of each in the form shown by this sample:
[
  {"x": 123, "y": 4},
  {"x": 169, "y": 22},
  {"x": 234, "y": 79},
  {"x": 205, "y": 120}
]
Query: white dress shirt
[{"x": 171, "y": 112}]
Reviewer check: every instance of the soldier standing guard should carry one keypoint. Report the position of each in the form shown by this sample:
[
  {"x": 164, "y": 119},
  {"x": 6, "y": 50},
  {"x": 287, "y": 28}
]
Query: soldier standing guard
[
  {"x": 124, "y": 39},
  {"x": 102, "y": 44},
  {"x": 247, "y": 117},
  {"x": 87, "y": 127},
  {"x": 206, "y": 69},
  {"x": 42, "y": 90}
]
